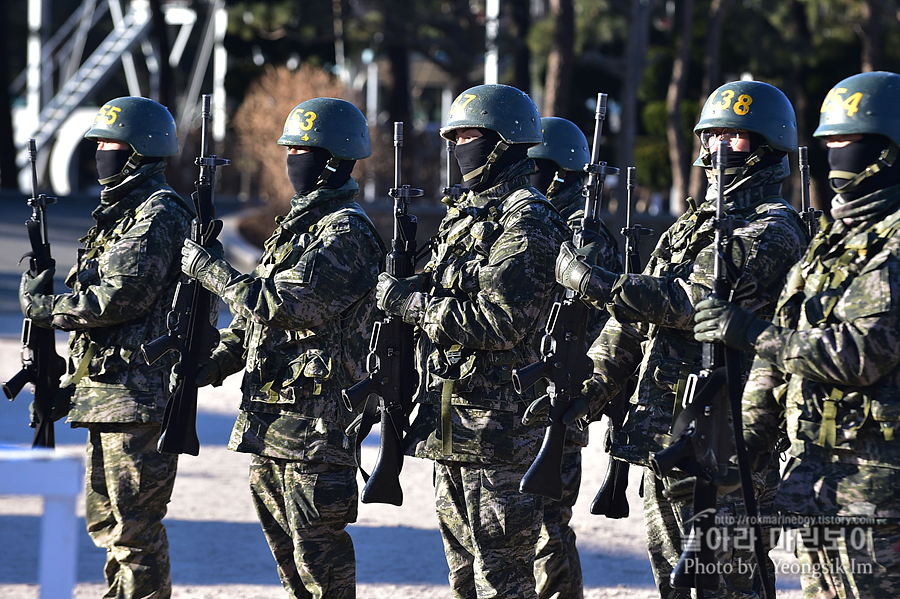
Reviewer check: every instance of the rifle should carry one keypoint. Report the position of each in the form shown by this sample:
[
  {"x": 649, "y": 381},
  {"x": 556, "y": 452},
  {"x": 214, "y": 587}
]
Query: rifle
[
  {"x": 701, "y": 446},
  {"x": 611, "y": 500},
  {"x": 188, "y": 330},
  {"x": 564, "y": 362},
  {"x": 41, "y": 365},
  {"x": 391, "y": 360},
  {"x": 809, "y": 215}
]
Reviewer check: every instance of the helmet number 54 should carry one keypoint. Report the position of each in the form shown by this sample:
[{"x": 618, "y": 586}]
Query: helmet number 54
[{"x": 835, "y": 101}]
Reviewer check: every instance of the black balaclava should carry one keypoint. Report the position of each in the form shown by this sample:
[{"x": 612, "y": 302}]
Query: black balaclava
[
  {"x": 110, "y": 163},
  {"x": 855, "y": 158},
  {"x": 474, "y": 154},
  {"x": 546, "y": 174},
  {"x": 307, "y": 171}
]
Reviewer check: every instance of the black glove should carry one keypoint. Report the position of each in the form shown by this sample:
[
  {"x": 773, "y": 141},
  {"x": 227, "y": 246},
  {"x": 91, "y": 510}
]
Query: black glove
[
  {"x": 32, "y": 293},
  {"x": 721, "y": 321},
  {"x": 395, "y": 296},
  {"x": 573, "y": 266},
  {"x": 209, "y": 374},
  {"x": 207, "y": 265},
  {"x": 539, "y": 408},
  {"x": 682, "y": 491}
]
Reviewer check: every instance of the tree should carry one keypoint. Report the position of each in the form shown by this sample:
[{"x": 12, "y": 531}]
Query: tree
[{"x": 559, "y": 62}]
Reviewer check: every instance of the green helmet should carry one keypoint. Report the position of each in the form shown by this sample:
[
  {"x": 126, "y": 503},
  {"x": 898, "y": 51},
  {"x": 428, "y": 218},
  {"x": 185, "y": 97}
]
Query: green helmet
[
  {"x": 564, "y": 143},
  {"x": 329, "y": 123},
  {"x": 865, "y": 103},
  {"x": 501, "y": 108},
  {"x": 750, "y": 106},
  {"x": 145, "y": 125}
]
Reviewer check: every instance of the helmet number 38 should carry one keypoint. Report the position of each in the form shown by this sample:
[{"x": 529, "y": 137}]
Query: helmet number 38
[{"x": 726, "y": 101}]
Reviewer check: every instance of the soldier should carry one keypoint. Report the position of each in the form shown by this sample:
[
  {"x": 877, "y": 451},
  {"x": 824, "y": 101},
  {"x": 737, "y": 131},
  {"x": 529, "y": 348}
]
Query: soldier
[
  {"x": 653, "y": 312},
  {"x": 121, "y": 289},
  {"x": 299, "y": 323},
  {"x": 560, "y": 159},
  {"x": 828, "y": 366},
  {"x": 490, "y": 286}
]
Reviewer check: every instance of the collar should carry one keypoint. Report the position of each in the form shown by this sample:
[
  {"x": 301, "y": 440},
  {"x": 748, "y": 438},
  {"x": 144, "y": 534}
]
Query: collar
[{"x": 315, "y": 203}]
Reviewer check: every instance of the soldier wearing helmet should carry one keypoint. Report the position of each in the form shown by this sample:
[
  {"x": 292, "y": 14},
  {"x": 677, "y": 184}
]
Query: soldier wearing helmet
[
  {"x": 652, "y": 313},
  {"x": 299, "y": 323},
  {"x": 560, "y": 159},
  {"x": 121, "y": 288},
  {"x": 479, "y": 305},
  {"x": 827, "y": 363}
]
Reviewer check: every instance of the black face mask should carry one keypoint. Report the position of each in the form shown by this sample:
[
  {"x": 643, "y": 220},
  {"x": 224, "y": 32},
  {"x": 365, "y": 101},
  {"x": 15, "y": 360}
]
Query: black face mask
[
  {"x": 111, "y": 162},
  {"x": 855, "y": 157},
  {"x": 545, "y": 174},
  {"x": 305, "y": 169},
  {"x": 474, "y": 154},
  {"x": 733, "y": 160}
]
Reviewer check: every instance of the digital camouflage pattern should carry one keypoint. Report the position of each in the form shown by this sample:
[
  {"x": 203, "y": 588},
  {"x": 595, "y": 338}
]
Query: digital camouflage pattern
[
  {"x": 129, "y": 485},
  {"x": 491, "y": 288},
  {"x": 856, "y": 561},
  {"x": 304, "y": 508},
  {"x": 829, "y": 372},
  {"x": 651, "y": 328},
  {"x": 299, "y": 323},
  {"x": 489, "y": 529},
  {"x": 557, "y": 566},
  {"x": 122, "y": 286}
]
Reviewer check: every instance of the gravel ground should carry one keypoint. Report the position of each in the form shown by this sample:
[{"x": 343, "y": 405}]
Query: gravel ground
[{"x": 218, "y": 550}]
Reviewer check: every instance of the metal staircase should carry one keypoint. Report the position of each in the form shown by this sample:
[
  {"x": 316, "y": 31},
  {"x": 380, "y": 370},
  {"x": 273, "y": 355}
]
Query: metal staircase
[{"x": 132, "y": 29}]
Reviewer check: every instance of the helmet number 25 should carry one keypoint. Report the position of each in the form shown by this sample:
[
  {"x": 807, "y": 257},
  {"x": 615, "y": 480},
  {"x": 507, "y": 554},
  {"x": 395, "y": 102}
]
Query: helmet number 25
[
  {"x": 741, "y": 107},
  {"x": 836, "y": 101}
]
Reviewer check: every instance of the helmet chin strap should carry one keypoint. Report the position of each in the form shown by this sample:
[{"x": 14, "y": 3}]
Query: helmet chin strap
[
  {"x": 131, "y": 165},
  {"x": 885, "y": 160},
  {"x": 330, "y": 168},
  {"x": 484, "y": 171}
]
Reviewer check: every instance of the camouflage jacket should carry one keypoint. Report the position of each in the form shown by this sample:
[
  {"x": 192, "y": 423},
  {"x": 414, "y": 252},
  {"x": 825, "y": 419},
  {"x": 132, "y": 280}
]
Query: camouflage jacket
[
  {"x": 122, "y": 288},
  {"x": 569, "y": 201},
  {"x": 301, "y": 324},
  {"x": 832, "y": 373},
  {"x": 492, "y": 286},
  {"x": 651, "y": 331}
]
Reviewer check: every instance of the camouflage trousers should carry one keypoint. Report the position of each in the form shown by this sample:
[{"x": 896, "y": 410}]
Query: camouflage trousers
[
  {"x": 731, "y": 541},
  {"x": 850, "y": 562},
  {"x": 304, "y": 509},
  {"x": 127, "y": 491},
  {"x": 557, "y": 568},
  {"x": 489, "y": 529}
]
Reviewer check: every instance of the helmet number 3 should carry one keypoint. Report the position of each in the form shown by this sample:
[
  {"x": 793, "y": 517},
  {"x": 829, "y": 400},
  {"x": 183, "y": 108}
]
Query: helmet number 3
[
  {"x": 835, "y": 101},
  {"x": 726, "y": 101},
  {"x": 305, "y": 120},
  {"x": 109, "y": 113}
]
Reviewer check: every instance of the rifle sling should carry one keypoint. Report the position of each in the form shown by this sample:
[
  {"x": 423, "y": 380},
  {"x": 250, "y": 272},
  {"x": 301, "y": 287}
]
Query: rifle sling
[{"x": 83, "y": 364}]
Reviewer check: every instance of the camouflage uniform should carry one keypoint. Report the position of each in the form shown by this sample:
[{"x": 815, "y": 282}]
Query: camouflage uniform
[
  {"x": 299, "y": 324},
  {"x": 651, "y": 331},
  {"x": 830, "y": 373},
  {"x": 557, "y": 565},
  {"x": 122, "y": 287},
  {"x": 491, "y": 277}
]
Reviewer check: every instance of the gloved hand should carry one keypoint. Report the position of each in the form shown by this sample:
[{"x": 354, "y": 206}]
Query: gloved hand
[
  {"x": 32, "y": 298},
  {"x": 60, "y": 405},
  {"x": 207, "y": 265},
  {"x": 573, "y": 266},
  {"x": 682, "y": 491},
  {"x": 721, "y": 321},
  {"x": 395, "y": 296},
  {"x": 539, "y": 408},
  {"x": 209, "y": 374}
]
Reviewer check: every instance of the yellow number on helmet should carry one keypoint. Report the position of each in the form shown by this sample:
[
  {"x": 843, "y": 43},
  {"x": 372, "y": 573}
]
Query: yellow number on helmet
[
  {"x": 742, "y": 106},
  {"x": 851, "y": 104},
  {"x": 725, "y": 103},
  {"x": 112, "y": 113},
  {"x": 833, "y": 100}
]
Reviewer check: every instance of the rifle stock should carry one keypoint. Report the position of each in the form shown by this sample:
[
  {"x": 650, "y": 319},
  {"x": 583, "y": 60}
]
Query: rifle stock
[
  {"x": 41, "y": 365},
  {"x": 564, "y": 345},
  {"x": 189, "y": 331},
  {"x": 391, "y": 359}
]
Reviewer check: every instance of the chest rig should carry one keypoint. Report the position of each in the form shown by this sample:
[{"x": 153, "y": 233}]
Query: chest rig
[{"x": 812, "y": 293}]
